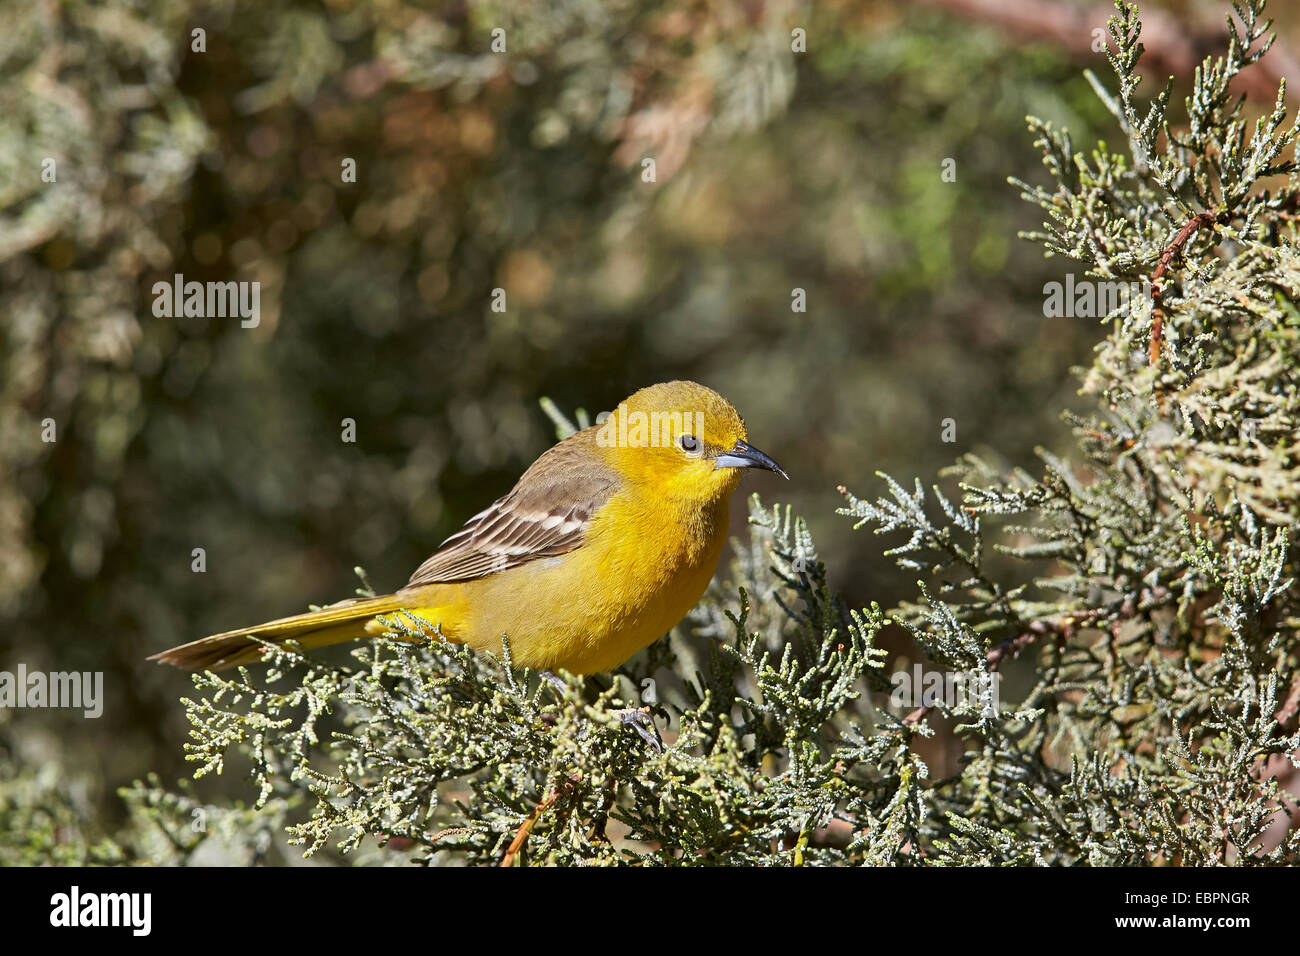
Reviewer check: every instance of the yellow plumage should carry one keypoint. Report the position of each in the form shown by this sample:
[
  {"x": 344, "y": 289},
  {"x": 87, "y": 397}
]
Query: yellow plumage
[{"x": 604, "y": 544}]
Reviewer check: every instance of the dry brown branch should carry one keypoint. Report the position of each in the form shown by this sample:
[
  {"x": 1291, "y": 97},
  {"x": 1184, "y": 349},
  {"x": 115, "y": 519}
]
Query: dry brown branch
[{"x": 1167, "y": 257}]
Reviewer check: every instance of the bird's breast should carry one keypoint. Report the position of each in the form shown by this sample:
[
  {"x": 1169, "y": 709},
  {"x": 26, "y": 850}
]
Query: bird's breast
[{"x": 640, "y": 568}]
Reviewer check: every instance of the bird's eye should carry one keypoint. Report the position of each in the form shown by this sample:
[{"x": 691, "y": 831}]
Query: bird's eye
[{"x": 690, "y": 444}]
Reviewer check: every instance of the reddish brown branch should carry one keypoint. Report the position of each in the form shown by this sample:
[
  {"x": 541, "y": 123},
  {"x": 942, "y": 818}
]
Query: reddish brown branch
[
  {"x": 916, "y": 716},
  {"x": 521, "y": 835},
  {"x": 1167, "y": 257},
  {"x": 1011, "y": 648},
  {"x": 1061, "y": 628},
  {"x": 525, "y": 828}
]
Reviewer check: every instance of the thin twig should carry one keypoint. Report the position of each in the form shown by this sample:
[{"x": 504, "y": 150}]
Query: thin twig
[
  {"x": 521, "y": 835},
  {"x": 1061, "y": 627},
  {"x": 1167, "y": 257}
]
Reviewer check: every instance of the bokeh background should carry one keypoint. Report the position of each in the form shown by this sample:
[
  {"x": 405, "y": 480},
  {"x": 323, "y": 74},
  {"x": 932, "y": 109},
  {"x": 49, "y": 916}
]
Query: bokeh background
[{"x": 476, "y": 170}]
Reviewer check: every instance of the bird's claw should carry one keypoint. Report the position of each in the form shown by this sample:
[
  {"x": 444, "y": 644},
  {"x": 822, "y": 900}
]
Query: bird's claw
[{"x": 639, "y": 719}]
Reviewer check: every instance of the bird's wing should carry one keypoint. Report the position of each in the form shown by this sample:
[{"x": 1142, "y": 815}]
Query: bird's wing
[{"x": 547, "y": 514}]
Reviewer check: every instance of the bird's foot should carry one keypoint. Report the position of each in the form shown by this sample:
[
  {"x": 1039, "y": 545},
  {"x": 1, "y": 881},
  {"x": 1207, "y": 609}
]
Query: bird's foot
[{"x": 639, "y": 719}]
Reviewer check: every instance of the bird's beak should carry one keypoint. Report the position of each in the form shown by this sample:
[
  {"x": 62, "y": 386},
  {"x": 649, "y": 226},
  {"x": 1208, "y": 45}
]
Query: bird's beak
[{"x": 745, "y": 455}]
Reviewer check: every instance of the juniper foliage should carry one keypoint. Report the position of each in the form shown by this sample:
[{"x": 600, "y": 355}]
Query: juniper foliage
[
  {"x": 206, "y": 138},
  {"x": 1141, "y": 599},
  {"x": 48, "y": 818},
  {"x": 451, "y": 752}
]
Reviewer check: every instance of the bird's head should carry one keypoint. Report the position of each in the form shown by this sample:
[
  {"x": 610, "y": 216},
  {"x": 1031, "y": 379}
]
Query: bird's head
[{"x": 682, "y": 439}]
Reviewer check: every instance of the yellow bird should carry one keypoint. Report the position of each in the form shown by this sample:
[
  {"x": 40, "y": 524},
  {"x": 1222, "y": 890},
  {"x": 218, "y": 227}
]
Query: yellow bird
[{"x": 604, "y": 544}]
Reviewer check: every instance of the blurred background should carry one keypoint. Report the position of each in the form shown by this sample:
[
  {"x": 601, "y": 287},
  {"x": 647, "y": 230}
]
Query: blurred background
[{"x": 795, "y": 147}]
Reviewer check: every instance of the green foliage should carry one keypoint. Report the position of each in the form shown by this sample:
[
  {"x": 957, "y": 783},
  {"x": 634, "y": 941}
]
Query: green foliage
[
  {"x": 1138, "y": 601},
  {"x": 1157, "y": 593},
  {"x": 452, "y": 752},
  {"x": 1143, "y": 596},
  {"x": 42, "y": 821},
  {"x": 476, "y": 171},
  {"x": 49, "y": 817}
]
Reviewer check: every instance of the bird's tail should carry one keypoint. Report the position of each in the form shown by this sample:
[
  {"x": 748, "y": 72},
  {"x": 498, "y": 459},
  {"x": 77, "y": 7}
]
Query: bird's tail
[{"x": 346, "y": 621}]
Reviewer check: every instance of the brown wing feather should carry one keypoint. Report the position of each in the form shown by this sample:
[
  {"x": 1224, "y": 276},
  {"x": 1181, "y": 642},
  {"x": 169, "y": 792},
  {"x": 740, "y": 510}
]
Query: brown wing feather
[{"x": 545, "y": 515}]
